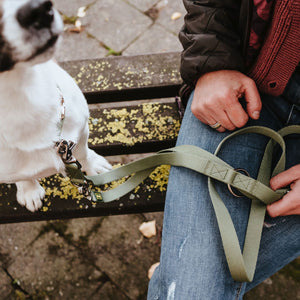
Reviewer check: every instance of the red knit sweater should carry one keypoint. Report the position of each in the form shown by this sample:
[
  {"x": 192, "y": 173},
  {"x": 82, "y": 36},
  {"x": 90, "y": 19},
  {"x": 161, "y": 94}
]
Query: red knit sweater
[{"x": 280, "y": 53}]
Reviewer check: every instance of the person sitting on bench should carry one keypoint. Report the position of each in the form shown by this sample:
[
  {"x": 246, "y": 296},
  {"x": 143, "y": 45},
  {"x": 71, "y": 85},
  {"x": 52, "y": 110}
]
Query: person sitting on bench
[{"x": 241, "y": 59}]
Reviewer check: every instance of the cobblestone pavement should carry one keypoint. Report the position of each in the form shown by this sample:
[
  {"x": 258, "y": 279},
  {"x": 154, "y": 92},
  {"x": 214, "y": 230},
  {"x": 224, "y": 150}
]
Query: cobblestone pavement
[{"x": 103, "y": 258}]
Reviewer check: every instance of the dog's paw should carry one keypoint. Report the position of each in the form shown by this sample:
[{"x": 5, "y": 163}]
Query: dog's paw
[
  {"x": 30, "y": 194},
  {"x": 95, "y": 164}
]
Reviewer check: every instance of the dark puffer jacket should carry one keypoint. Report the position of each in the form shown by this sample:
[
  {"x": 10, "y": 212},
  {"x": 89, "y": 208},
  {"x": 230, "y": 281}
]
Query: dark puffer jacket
[{"x": 214, "y": 37}]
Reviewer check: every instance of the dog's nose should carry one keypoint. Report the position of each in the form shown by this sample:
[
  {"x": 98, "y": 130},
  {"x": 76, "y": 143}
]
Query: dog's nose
[{"x": 36, "y": 13}]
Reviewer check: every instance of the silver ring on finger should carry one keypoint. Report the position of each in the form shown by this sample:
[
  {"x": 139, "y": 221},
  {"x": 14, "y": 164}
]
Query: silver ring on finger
[{"x": 216, "y": 125}]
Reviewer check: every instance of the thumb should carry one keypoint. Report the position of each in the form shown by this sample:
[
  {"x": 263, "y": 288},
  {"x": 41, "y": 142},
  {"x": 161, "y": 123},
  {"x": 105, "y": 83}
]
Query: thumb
[{"x": 252, "y": 98}]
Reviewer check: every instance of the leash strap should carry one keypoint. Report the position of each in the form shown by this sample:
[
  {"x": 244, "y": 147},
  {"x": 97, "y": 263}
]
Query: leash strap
[{"x": 241, "y": 264}]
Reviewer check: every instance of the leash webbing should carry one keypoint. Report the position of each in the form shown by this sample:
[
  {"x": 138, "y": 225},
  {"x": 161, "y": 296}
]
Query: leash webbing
[{"x": 241, "y": 264}]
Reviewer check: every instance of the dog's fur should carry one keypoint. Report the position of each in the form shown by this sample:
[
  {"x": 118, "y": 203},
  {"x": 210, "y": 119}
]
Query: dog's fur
[{"x": 30, "y": 106}]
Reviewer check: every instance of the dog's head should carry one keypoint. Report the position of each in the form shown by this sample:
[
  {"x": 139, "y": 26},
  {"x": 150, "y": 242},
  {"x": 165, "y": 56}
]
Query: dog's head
[{"x": 29, "y": 30}]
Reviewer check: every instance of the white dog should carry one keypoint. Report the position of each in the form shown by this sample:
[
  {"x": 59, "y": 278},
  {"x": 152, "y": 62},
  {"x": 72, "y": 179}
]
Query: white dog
[{"x": 32, "y": 87}]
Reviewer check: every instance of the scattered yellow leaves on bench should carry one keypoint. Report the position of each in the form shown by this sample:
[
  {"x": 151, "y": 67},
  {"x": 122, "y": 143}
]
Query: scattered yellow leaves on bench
[
  {"x": 59, "y": 186},
  {"x": 128, "y": 126},
  {"x": 101, "y": 76},
  {"x": 147, "y": 122}
]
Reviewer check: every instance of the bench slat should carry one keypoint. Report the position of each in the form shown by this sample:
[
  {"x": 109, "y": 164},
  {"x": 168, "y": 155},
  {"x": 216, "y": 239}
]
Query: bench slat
[
  {"x": 127, "y": 77},
  {"x": 146, "y": 127},
  {"x": 62, "y": 201}
]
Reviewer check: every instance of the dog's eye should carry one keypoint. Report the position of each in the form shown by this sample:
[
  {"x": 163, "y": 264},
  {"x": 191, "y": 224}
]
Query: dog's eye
[{"x": 37, "y": 14}]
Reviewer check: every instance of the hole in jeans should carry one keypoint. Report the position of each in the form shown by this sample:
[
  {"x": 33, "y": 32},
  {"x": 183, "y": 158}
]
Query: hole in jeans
[{"x": 171, "y": 291}]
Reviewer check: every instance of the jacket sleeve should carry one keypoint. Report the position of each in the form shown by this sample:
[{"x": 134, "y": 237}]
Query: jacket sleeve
[{"x": 210, "y": 38}]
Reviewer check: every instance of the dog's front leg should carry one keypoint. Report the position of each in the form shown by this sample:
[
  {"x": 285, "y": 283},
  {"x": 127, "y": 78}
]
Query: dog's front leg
[
  {"x": 92, "y": 163},
  {"x": 30, "y": 194}
]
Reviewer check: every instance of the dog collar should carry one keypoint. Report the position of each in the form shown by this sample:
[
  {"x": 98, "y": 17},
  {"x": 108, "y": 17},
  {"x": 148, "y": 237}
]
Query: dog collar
[{"x": 62, "y": 111}]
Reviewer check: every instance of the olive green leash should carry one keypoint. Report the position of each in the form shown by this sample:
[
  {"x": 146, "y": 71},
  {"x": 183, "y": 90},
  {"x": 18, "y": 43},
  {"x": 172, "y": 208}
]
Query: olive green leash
[{"x": 241, "y": 264}]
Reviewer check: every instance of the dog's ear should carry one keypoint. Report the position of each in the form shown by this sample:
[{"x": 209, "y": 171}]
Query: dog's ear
[{"x": 6, "y": 60}]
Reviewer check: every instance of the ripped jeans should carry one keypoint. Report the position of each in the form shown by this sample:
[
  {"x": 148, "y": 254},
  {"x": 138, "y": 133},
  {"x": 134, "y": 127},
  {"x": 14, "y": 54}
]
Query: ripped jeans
[{"x": 193, "y": 265}]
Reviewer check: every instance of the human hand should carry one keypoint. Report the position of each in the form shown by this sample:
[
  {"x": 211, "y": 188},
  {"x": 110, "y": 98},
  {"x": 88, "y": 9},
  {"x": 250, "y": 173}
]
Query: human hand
[
  {"x": 216, "y": 99},
  {"x": 290, "y": 203}
]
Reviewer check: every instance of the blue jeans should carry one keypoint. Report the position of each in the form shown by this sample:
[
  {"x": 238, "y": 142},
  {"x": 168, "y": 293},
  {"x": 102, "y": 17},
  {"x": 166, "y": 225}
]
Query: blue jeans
[{"x": 193, "y": 264}]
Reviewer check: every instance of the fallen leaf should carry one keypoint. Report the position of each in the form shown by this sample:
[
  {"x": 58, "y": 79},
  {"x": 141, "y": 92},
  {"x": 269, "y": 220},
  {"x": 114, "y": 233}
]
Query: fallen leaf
[
  {"x": 152, "y": 269},
  {"x": 154, "y": 11},
  {"x": 78, "y": 24},
  {"x": 148, "y": 229},
  {"x": 175, "y": 16},
  {"x": 77, "y": 28},
  {"x": 81, "y": 11}
]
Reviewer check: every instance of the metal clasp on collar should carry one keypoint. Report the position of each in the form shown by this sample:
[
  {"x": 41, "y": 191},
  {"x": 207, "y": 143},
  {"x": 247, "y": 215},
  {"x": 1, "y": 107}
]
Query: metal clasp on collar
[
  {"x": 64, "y": 149},
  {"x": 229, "y": 186}
]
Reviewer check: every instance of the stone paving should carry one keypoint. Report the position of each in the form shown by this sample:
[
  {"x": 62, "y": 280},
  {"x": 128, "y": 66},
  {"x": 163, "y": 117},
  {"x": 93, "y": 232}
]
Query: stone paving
[{"x": 104, "y": 258}]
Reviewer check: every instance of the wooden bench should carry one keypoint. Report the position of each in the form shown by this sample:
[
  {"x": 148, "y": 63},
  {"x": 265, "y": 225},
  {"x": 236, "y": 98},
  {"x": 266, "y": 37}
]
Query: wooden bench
[{"x": 123, "y": 121}]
